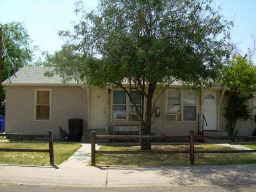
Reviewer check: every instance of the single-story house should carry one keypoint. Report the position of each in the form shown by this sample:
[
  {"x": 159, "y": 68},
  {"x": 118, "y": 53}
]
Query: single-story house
[{"x": 39, "y": 100}]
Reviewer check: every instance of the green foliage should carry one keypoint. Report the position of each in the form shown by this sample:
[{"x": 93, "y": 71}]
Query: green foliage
[
  {"x": 150, "y": 42},
  {"x": 67, "y": 63},
  {"x": 240, "y": 77},
  {"x": 237, "y": 108},
  {"x": 17, "y": 51},
  {"x": 17, "y": 45}
]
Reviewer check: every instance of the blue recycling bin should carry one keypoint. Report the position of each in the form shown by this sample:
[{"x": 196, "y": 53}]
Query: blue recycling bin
[{"x": 2, "y": 123}]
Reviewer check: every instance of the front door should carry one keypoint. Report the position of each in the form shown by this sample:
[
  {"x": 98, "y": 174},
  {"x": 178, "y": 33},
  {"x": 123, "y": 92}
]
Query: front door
[
  {"x": 209, "y": 110},
  {"x": 98, "y": 118}
]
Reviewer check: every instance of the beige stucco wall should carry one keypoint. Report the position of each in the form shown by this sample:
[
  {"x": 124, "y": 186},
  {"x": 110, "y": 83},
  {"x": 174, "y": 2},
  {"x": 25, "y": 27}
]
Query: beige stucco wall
[
  {"x": 66, "y": 103},
  {"x": 94, "y": 106},
  {"x": 100, "y": 114},
  {"x": 162, "y": 125}
]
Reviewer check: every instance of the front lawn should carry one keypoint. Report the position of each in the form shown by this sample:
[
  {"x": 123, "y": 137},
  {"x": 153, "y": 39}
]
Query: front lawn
[
  {"x": 251, "y": 146},
  {"x": 151, "y": 159},
  {"x": 62, "y": 151}
]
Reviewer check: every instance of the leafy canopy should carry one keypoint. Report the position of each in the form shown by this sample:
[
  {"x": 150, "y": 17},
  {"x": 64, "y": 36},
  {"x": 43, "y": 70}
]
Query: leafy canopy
[
  {"x": 67, "y": 63},
  {"x": 147, "y": 43},
  {"x": 17, "y": 48},
  {"x": 150, "y": 41},
  {"x": 240, "y": 75}
]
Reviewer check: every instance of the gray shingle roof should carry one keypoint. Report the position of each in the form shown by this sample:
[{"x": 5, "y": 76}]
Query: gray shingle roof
[
  {"x": 41, "y": 75},
  {"x": 37, "y": 75}
]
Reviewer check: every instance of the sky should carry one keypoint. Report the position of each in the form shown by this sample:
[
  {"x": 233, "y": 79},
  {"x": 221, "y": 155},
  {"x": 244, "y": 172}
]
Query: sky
[{"x": 44, "y": 18}]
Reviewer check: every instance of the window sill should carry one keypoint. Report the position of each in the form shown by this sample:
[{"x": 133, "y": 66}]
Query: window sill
[
  {"x": 42, "y": 120},
  {"x": 183, "y": 121},
  {"x": 125, "y": 122}
]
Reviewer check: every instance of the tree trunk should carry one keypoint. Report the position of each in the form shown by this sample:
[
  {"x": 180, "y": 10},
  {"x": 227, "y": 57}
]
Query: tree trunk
[{"x": 146, "y": 130}]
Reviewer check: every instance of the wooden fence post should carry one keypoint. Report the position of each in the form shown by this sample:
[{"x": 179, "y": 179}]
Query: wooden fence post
[
  {"x": 51, "y": 150},
  {"x": 93, "y": 138},
  {"x": 192, "y": 148}
]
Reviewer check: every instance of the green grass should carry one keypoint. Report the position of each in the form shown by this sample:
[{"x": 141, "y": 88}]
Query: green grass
[
  {"x": 149, "y": 159},
  {"x": 252, "y": 146},
  {"x": 62, "y": 151}
]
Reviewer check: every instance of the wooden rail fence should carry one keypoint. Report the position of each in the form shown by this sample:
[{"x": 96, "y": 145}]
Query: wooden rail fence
[
  {"x": 190, "y": 140},
  {"x": 48, "y": 137}
]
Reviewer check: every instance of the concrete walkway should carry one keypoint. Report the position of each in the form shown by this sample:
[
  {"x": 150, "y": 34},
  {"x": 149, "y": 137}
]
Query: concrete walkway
[{"x": 81, "y": 158}]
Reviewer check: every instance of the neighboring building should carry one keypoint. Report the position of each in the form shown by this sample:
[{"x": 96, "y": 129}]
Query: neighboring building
[{"x": 38, "y": 100}]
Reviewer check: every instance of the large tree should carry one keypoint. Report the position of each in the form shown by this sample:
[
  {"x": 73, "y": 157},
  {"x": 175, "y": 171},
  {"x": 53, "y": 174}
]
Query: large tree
[
  {"x": 17, "y": 50},
  {"x": 67, "y": 63},
  {"x": 150, "y": 42},
  {"x": 17, "y": 47}
]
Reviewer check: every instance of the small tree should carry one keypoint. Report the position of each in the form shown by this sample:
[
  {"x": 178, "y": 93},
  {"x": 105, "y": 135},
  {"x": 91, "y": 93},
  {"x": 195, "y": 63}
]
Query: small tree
[
  {"x": 147, "y": 43},
  {"x": 240, "y": 79}
]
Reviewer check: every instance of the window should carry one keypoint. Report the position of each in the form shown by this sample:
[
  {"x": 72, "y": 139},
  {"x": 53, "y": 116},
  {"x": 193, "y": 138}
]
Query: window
[
  {"x": 173, "y": 107},
  {"x": 189, "y": 106},
  {"x": 123, "y": 109},
  {"x": 119, "y": 105},
  {"x": 173, "y": 101},
  {"x": 42, "y": 105},
  {"x": 181, "y": 104}
]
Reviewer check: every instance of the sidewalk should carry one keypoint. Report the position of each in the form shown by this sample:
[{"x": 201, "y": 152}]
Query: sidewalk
[
  {"x": 76, "y": 172},
  {"x": 88, "y": 176}
]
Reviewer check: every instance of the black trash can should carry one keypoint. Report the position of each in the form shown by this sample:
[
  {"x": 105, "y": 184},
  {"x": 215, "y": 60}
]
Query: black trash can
[{"x": 75, "y": 127}]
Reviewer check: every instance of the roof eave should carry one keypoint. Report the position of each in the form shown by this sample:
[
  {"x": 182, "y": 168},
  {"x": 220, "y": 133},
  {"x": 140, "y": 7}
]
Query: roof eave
[{"x": 43, "y": 84}]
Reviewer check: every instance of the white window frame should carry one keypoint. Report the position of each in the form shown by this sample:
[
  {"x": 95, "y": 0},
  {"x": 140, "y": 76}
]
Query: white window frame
[
  {"x": 50, "y": 104},
  {"x": 167, "y": 104},
  {"x": 127, "y": 104},
  {"x": 185, "y": 105},
  {"x": 112, "y": 97},
  {"x": 181, "y": 104}
]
